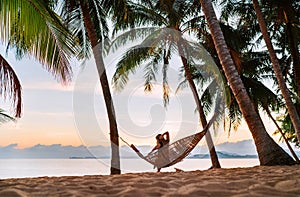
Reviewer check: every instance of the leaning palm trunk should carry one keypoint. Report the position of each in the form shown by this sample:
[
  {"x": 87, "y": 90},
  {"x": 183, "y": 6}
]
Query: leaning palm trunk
[
  {"x": 269, "y": 152},
  {"x": 293, "y": 45},
  {"x": 208, "y": 138},
  {"x": 295, "y": 56},
  {"x": 285, "y": 92},
  {"x": 97, "y": 51}
]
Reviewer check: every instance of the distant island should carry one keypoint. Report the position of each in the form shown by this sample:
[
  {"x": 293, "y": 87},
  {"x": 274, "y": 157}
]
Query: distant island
[
  {"x": 82, "y": 158},
  {"x": 242, "y": 149},
  {"x": 222, "y": 155}
]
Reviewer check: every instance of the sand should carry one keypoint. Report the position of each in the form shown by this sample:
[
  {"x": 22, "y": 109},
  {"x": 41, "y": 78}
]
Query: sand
[{"x": 255, "y": 181}]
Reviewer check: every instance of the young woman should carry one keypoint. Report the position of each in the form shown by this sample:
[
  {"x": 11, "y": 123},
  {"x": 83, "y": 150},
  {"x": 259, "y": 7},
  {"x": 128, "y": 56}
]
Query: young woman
[{"x": 161, "y": 140}]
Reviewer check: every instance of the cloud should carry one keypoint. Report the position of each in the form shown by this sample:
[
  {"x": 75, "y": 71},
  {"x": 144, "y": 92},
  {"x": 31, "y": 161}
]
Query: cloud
[
  {"x": 52, "y": 114},
  {"x": 48, "y": 85}
]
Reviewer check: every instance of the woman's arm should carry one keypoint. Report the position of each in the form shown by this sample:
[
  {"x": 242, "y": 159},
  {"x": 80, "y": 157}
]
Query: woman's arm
[
  {"x": 156, "y": 147},
  {"x": 167, "y": 136}
]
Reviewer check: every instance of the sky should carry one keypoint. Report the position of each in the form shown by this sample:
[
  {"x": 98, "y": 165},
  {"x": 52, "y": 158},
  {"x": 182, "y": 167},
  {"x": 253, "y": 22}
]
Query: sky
[{"x": 75, "y": 114}]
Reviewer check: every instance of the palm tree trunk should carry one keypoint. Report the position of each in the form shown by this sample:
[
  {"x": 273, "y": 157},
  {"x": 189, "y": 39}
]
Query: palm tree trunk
[
  {"x": 97, "y": 51},
  {"x": 208, "y": 138},
  {"x": 269, "y": 152},
  {"x": 285, "y": 92},
  {"x": 282, "y": 134},
  {"x": 294, "y": 52}
]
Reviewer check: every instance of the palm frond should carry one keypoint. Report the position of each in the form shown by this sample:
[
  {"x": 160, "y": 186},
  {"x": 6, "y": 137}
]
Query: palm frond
[
  {"x": 261, "y": 95},
  {"x": 99, "y": 17},
  {"x": 150, "y": 71},
  {"x": 211, "y": 95},
  {"x": 235, "y": 115},
  {"x": 10, "y": 86},
  {"x": 73, "y": 18},
  {"x": 182, "y": 85},
  {"x": 193, "y": 24},
  {"x": 219, "y": 108},
  {"x": 166, "y": 88},
  {"x": 129, "y": 62},
  {"x": 137, "y": 15},
  {"x": 33, "y": 29},
  {"x": 202, "y": 64},
  {"x": 131, "y": 36},
  {"x": 4, "y": 117},
  {"x": 152, "y": 45}
]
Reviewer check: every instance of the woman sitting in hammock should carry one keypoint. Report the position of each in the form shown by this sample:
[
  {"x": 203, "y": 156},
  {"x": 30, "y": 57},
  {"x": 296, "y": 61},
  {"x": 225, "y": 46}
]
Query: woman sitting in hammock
[{"x": 161, "y": 140}]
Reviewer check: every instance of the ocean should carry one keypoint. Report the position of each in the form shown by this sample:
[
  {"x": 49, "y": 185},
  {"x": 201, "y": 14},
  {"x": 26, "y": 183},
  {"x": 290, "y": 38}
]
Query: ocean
[{"x": 21, "y": 168}]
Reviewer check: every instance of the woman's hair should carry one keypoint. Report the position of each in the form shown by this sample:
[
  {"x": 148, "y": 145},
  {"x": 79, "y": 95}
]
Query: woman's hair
[{"x": 157, "y": 137}]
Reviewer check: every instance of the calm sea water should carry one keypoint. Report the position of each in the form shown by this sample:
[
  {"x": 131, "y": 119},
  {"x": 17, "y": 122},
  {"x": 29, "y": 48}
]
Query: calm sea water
[{"x": 20, "y": 168}]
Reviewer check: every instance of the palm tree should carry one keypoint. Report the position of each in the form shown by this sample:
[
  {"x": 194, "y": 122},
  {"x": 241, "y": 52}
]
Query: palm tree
[
  {"x": 91, "y": 18},
  {"x": 31, "y": 28},
  {"x": 282, "y": 25},
  {"x": 44, "y": 38},
  {"x": 268, "y": 151},
  {"x": 252, "y": 67},
  {"x": 282, "y": 19},
  {"x": 264, "y": 98},
  {"x": 281, "y": 82},
  {"x": 178, "y": 16}
]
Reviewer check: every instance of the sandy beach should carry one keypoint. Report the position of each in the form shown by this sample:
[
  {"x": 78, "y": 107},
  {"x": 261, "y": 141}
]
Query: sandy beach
[{"x": 255, "y": 181}]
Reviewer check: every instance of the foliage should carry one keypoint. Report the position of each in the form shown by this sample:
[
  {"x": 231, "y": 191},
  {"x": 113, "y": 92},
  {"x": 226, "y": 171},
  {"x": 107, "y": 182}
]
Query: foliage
[
  {"x": 255, "y": 63},
  {"x": 33, "y": 28},
  {"x": 287, "y": 126},
  {"x": 4, "y": 117},
  {"x": 166, "y": 23},
  {"x": 10, "y": 86}
]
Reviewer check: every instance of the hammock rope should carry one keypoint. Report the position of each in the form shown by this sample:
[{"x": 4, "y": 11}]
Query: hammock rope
[
  {"x": 175, "y": 152},
  {"x": 124, "y": 141}
]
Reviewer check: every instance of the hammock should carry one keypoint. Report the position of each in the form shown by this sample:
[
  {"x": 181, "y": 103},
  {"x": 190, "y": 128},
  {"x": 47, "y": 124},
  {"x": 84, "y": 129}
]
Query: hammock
[{"x": 171, "y": 154}]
